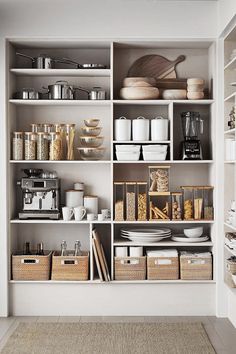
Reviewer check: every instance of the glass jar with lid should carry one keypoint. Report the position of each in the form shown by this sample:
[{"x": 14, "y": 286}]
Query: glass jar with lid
[
  {"x": 30, "y": 145},
  {"x": 130, "y": 201},
  {"x": 17, "y": 146},
  {"x": 208, "y": 203},
  {"x": 55, "y": 148},
  {"x": 47, "y": 128},
  {"x": 42, "y": 146},
  {"x": 188, "y": 196},
  {"x": 159, "y": 179},
  {"x": 119, "y": 199},
  {"x": 70, "y": 137},
  {"x": 35, "y": 128},
  {"x": 177, "y": 205},
  {"x": 60, "y": 128},
  {"x": 142, "y": 200},
  {"x": 198, "y": 202}
]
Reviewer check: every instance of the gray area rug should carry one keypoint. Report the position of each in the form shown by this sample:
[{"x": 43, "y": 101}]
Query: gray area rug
[{"x": 108, "y": 338}]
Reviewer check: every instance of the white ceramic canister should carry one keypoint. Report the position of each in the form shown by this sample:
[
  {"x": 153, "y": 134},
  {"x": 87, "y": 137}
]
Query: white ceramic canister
[
  {"x": 74, "y": 198},
  {"x": 122, "y": 129},
  {"x": 159, "y": 129},
  {"x": 140, "y": 129},
  {"x": 91, "y": 204}
]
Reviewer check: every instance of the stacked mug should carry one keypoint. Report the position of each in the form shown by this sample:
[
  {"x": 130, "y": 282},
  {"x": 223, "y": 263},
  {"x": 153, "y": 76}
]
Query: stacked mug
[
  {"x": 195, "y": 88},
  {"x": 74, "y": 203}
]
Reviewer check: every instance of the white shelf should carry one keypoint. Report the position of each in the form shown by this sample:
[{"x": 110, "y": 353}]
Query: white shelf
[
  {"x": 168, "y": 162},
  {"x": 163, "y": 243},
  {"x": 74, "y": 162},
  {"x": 230, "y": 226},
  {"x": 60, "y": 102},
  {"x": 229, "y": 162},
  {"x": 231, "y": 65},
  {"x": 62, "y": 72},
  {"x": 163, "y": 102},
  {"x": 151, "y": 222},
  {"x": 229, "y": 131},
  {"x": 178, "y": 281},
  {"x": 48, "y": 221},
  {"x": 142, "y": 142},
  {"x": 230, "y": 98}
]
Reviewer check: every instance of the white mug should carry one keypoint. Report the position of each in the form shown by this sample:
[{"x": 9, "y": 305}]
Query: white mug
[
  {"x": 67, "y": 213},
  {"x": 121, "y": 251},
  {"x": 100, "y": 217},
  {"x": 90, "y": 217},
  {"x": 79, "y": 212},
  {"x": 136, "y": 251},
  {"x": 105, "y": 213}
]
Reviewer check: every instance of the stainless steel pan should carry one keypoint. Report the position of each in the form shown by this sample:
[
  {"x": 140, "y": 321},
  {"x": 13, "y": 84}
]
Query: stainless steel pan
[
  {"x": 43, "y": 61},
  {"x": 83, "y": 66}
]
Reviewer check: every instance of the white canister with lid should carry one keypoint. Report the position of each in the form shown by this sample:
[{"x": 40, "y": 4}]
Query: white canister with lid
[
  {"x": 122, "y": 129},
  {"x": 91, "y": 204},
  {"x": 74, "y": 198},
  {"x": 140, "y": 129},
  {"x": 159, "y": 129}
]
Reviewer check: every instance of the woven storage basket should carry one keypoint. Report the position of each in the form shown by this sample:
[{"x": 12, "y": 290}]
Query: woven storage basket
[
  {"x": 130, "y": 268},
  {"x": 230, "y": 269},
  {"x": 31, "y": 267},
  {"x": 70, "y": 267},
  {"x": 163, "y": 268},
  {"x": 195, "y": 268}
]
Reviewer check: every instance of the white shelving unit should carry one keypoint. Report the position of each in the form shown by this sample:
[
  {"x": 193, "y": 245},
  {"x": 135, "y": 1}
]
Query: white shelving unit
[{"x": 100, "y": 175}]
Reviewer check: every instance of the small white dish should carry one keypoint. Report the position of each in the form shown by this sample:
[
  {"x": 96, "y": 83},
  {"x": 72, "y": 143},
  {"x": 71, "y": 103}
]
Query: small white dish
[
  {"x": 182, "y": 238},
  {"x": 194, "y": 232}
]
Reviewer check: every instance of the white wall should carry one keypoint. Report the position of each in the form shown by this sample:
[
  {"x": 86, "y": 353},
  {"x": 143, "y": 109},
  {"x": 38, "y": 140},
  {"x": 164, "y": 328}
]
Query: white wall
[{"x": 226, "y": 12}]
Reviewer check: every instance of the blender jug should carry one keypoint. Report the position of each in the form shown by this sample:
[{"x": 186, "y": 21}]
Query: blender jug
[{"x": 192, "y": 125}]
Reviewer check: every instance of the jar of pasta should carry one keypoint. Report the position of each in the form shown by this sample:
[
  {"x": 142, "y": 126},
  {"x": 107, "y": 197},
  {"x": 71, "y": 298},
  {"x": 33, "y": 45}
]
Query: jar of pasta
[
  {"x": 70, "y": 137},
  {"x": 55, "y": 149}
]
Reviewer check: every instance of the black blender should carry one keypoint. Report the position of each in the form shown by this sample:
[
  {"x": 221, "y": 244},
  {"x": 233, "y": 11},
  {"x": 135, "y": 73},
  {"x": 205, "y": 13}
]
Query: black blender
[{"x": 192, "y": 126}]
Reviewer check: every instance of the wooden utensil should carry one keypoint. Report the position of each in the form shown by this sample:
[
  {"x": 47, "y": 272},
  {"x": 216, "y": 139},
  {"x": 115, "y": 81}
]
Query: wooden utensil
[{"x": 155, "y": 66}]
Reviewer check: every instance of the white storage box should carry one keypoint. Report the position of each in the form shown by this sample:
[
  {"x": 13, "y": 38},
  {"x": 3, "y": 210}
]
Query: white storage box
[
  {"x": 127, "y": 156},
  {"x": 128, "y": 148},
  {"x": 155, "y": 148}
]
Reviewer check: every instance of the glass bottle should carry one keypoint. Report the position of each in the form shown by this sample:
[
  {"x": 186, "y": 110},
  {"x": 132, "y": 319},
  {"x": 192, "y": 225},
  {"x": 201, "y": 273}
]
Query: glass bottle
[
  {"x": 42, "y": 146},
  {"x": 63, "y": 248},
  {"x": 70, "y": 137},
  {"x": 55, "y": 149},
  {"x": 78, "y": 251},
  {"x": 30, "y": 145},
  {"x": 17, "y": 146}
]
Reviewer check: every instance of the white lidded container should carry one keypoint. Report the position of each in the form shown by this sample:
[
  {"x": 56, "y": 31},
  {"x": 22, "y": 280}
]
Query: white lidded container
[
  {"x": 74, "y": 198},
  {"x": 159, "y": 129},
  {"x": 91, "y": 204},
  {"x": 140, "y": 129},
  {"x": 122, "y": 129}
]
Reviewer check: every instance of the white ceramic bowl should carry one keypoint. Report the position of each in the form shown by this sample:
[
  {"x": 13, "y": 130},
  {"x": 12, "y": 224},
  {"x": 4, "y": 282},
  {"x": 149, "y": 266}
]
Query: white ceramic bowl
[{"x": 194, "y": 232}]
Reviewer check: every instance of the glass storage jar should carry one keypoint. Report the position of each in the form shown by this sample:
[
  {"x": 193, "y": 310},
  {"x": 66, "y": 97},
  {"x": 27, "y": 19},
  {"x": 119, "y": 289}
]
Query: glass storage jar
[
  {"x": 188, "y": 202},
  {"x": 55, "y": 148},
  {"x": 142, "y": 200},
  {"x": 159, "y": 179},
  {"x": 177, "y": 205},
  {"x": 35, "y": 128},
  {"x": 42, "y": 146},
  {"x": 70, "y": 137},
  {"x": 60, "y": 128},
  {"x": 30, "y": 145},
  {"x": 198, "y": 202},
  {"x": 160, "y": 206},
  {"x": 47, "y": 128},
  {"x": 130, "y": 201},
  {"x": 119, "y": 198},
  {"x": 17, "y": 146},
  {"x": 208, "y": 203}
]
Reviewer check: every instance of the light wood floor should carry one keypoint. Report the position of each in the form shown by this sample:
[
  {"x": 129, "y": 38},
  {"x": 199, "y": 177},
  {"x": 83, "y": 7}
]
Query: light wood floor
[{"x": 221, "y": 332}]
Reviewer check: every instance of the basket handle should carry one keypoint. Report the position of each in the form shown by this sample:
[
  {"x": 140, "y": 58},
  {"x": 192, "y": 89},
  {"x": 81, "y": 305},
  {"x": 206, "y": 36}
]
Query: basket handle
[
  {"x": 69, "y": 261},
  {"x": 129, "y": 261},
  {"x": 30, "y": 261},
  {"x": 196, "y": 261}
]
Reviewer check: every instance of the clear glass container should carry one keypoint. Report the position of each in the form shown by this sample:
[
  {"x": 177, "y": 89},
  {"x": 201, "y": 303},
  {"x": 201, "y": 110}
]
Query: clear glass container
[
  {"x": 130, "y": 201},
  {"x": 208, "y": 213},
  {"x": 30, "y": 145},
  {"x": 55, "y": 148},
  {"x": 198, "y": 203},
  {"x": 142, "y": 200},
  {"x": 159, "y": 179},
  {"x": 47, "y": 128},
  {"x": 70, "y": 137},
  {"x": 177, "y": 205},
  {"x": 17, "y": 146},
  {"x": 43, "y": 146},
  {"x": 36, "y": 128},
  {"x": 188, "y": 202},
  {"x": 60, "y": 128},
  {"x": 160, "y": 207},
  {"x": 119, "y": 198}
]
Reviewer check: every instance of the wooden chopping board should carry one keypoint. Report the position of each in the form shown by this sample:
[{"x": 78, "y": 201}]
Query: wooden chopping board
[{"x": 155, "y": 66}]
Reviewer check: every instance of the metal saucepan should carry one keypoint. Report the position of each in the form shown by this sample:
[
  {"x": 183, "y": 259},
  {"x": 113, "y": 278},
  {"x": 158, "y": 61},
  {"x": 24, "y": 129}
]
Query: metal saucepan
[
  {"x": 95, "y": 94},
  {"x": 61, "y": 90},
  {"x": 28, "y": 94},
  {"x": 43, "y": 61},
  {"x": 83, "y": 66}
]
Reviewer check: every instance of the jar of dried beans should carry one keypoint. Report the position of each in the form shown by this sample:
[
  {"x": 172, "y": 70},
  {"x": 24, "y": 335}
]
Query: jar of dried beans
[
  {"x": 30, "y": 145},
  {"x": 17, "y": 146},
  {"x": 42, "y": 146}
]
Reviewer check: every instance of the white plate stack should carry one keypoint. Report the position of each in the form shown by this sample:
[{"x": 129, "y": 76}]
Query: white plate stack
[{"x": 141, "y": 236}]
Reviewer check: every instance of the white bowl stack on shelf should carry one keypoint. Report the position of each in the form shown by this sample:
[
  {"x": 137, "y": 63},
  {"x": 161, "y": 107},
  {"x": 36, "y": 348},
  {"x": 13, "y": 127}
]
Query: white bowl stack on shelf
[
  {"x": 154, "y": 152},
  {"x": 128, "y": 152},
  {"x": 195, "y": 88},
  {"x": 141, "y": 236},
  {"x": 191, "y": 235}
]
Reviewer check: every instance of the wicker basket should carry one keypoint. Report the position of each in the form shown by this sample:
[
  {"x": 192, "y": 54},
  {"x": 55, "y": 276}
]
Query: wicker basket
[
  {"x": 230, "y": 269},
  {"x": 195, "y": 268},
  {"x": 130, "y": 268},
  {"x": 31, "y": 267},
  {"x": 70, "y": 267},
  {"x": 162, "y": 268}
]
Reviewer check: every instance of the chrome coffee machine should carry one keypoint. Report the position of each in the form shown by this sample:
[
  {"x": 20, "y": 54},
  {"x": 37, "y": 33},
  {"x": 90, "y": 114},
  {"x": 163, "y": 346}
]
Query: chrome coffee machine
[{"x": 40, "y": 195}]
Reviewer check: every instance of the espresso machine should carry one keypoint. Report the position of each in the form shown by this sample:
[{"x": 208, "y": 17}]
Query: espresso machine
[
  {"x": 192, "y": 126},
  {"x": 40, "y": 195}
]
